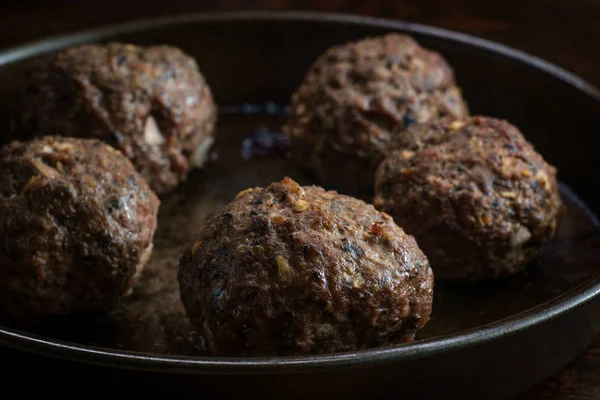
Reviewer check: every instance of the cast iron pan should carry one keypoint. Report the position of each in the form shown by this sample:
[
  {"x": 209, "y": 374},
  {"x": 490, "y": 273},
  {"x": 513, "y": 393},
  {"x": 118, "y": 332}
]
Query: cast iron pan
[{"x": 486, "y": 341}]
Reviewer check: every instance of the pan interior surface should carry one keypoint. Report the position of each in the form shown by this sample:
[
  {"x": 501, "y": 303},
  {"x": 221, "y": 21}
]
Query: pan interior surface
[{"x": 251, "y": 152}]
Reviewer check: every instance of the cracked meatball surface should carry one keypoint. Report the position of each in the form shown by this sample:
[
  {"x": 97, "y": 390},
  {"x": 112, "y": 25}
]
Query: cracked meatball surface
[
  {"x": 76, "y": 227},
  {"x": 355, "y": 99},
  {"x": 476, "y": 195},
  {"x": 290, "y": 270},
  {"x": 150, "y": 103}
]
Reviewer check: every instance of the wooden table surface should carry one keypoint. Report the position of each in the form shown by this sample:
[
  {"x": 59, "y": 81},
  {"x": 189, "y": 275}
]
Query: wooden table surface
[{"x": 565, "y": 32}]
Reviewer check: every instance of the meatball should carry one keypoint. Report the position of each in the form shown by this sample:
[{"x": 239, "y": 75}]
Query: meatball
[
  {"x": 76, "y": 227},
  {"x": 356, "y": 98},
  {"x": 476, "y": 195},
  {"x": 290, "y": 270},
  {"x": 151, "y": 103}
]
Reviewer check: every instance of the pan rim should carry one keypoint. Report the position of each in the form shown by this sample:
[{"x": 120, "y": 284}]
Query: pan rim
[{"x": 544, "y": 312}]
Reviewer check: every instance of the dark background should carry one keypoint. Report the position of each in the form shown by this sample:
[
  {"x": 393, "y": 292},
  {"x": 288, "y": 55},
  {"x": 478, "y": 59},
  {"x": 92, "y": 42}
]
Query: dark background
[{"x": 564, "y": 32}]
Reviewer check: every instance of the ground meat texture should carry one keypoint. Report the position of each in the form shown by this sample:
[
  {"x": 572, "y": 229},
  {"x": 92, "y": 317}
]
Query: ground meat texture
[
  {"x": 290, "y": 270},
  {"x": 476, "y": 195},
  {"x": 76, "y": 227},
  {"x": 357, "y": 96},
  {"x": 150, "y": 103}
]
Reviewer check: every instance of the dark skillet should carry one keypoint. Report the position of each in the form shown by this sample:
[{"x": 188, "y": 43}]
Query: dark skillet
[{"x": 484, "y": 342}]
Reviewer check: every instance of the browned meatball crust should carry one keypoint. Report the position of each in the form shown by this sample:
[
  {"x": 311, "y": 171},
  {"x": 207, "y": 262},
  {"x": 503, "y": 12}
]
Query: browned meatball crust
[
  {"x": 287, "y": 270},
  {"x": 476, "y": 195},
  {"x": 357, "y": 96},
  {"x": 76, "y": 227},
  {"x": 151, "y": 103}
]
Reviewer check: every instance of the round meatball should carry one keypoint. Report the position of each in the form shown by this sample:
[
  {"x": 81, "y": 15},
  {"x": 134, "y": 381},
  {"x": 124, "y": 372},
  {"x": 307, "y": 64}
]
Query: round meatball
[
  {"x": 475, "y": 194},
  {"x": 290, "y": 270},
  {"x": 151, "y": 103},
  {"x": 356, "y": 97},
  {"x": 76, "y": 227}
]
